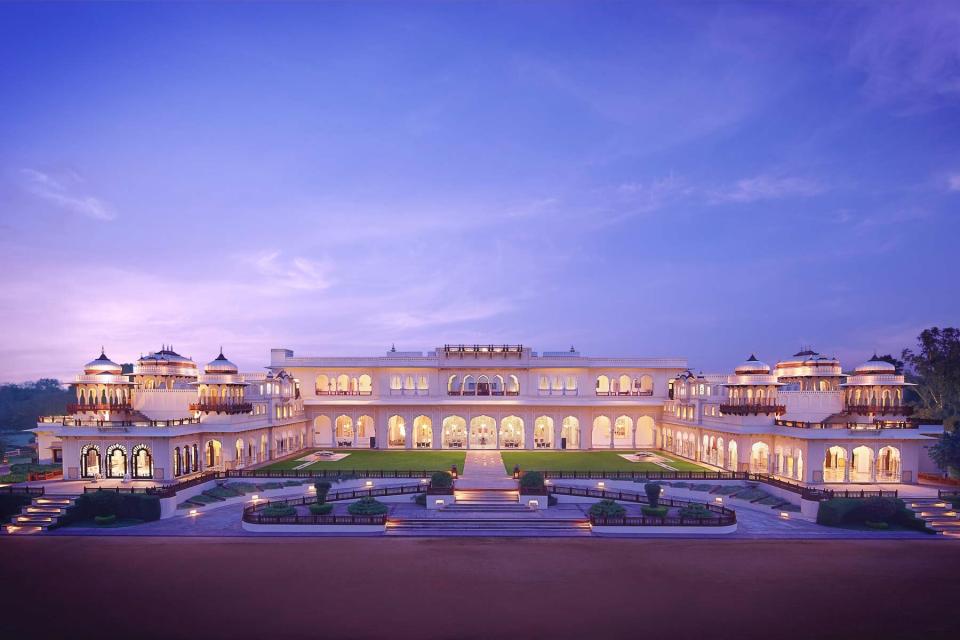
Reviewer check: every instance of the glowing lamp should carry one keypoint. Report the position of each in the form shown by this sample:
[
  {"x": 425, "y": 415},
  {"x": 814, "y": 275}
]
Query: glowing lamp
[
  {"x": 785, "y": 515},
  {"x": 255, "y": 497},
  {"x": 369, "y": 483},
  {"x": 439, "y": 501},
  {"x": 601, "y": 484},
  {"x": 193, "y": 512},
  {"x": 718, "y": 500}
]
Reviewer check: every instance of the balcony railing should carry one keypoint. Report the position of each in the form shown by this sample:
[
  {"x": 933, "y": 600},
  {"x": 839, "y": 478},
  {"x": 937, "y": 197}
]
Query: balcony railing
[
  {"x": 222, "y": 407},
  {"x": 344, "y": 392},
  {"x": 881, "y": 409},
  {"x": 857, "y": 426},
  {"x": 74, "y": 407},
  {"x": 751, "y": 408},
  {"x": 481, "y": 394},
  {"x": 631, "y": 392}
]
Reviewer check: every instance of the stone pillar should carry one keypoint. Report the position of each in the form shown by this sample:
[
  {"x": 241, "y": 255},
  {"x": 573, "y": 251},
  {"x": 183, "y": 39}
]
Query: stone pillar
[
  {"x": 528, "y": 428},
  {"x": 408, "y": 435},
  {"x": 557, "y": 432}
]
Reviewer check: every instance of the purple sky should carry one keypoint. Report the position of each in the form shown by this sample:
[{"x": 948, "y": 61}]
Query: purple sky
[{"x": 702, "y": 180}]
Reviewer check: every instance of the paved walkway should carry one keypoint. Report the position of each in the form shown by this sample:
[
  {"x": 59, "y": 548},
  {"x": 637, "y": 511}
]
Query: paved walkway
[{"x": 485, "y": 470}]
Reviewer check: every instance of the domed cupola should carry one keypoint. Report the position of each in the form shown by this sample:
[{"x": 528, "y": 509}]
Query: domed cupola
[
  {"x": 752, "y": 366},
  {"x": 102, "y": 366},
  {"x": 875, "y": 366},
  {"x": 220, "y": 365}
]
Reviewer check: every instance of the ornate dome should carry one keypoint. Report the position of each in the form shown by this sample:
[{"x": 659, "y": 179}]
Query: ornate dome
[
  {"x": 875, "y": 366},
  {"x": 166, "y": 355},
  {"x": 102, "y": 365},
  {"x": 752, "y": 366},
  {"x": 221, "y": 365}
]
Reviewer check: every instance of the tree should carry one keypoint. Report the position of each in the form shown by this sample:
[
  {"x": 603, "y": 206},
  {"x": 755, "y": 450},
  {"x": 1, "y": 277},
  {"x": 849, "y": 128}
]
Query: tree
[
  {"x": 935, "y": 368},
  {"x": 653, "y": 490},
  {"x": 946, "y": 452},
  {"x": 896, "y": 363}
]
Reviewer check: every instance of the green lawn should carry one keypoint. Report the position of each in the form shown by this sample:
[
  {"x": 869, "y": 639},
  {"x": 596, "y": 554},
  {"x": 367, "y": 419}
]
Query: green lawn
[
  {"x": 588, "y": 461},
  {"x": 384, "y": 460}
]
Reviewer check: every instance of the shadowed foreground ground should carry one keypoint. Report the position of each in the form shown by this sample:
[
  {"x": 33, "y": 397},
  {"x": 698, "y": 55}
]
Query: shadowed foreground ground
[{"x": 476, "y": 588}]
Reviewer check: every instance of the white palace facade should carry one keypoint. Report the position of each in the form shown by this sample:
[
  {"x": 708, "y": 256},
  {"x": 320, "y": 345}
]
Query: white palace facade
[{"x": 803, "y": 420}]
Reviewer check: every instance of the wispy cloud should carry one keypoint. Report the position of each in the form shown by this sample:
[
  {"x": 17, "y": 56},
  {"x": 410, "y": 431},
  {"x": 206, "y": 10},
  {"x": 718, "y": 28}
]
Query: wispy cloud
[
  {"x": 62, "y": 193},
  {"x": 298, "y": 273},
  {"x": 764, "y": 187},
  {"x": 909, "y": 53}
]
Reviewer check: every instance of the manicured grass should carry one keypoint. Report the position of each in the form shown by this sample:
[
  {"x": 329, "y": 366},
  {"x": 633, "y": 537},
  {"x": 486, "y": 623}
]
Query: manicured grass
[
  {"x": 587, "y": 461},
  {"x": 384, "y": 460}
]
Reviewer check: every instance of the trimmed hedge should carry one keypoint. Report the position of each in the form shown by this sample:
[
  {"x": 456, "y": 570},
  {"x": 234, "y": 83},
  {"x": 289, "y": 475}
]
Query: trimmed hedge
[
  {"x": 695, "y": 511},
  {"x": 840, "y": 511},
  {"x": 531, "y": 480},
  {"x": 105, "y": 520},
  {"x": 607, "y": 509},
  {"x": 441, "y": 480},
  {"x": 321, "y": 509},
  {"x": 657, "y": 512},
  {"x": 367, "y": 507},
  {"x": 133, "y": 506},
  {"x": 278, "y": 509}
]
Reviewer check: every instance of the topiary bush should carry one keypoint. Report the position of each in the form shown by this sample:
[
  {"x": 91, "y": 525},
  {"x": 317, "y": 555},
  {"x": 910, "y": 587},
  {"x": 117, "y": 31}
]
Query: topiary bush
[
  {"x": 653, "y": 492},
  {"x": 441, "y": 480},
  {"x": 321, "y": 509},
  {"x": 367, "y": 507},
  {"x": 607, "y": 509},
  {"x": 278, "y": 509},
  {"x": 531, "y": 481},
  {"x": 323, "y": 488}
]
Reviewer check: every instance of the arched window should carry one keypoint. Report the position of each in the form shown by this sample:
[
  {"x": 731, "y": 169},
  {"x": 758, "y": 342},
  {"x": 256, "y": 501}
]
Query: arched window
[
  {"x": 570, "y": 432},
  {"x": 116, "y": 461},
  {"x": 483, "y": 386},
  {"x": 177, "y": 462},
  {"x": 603, "y": 385},
  {"x": 623, "y": 384},
  {"x": 453, "y": 385},
  {"x": 646, "y": 385},
  {"x": 571, "y": 384},
  {"x": 454, "y": 433},
  {"x": 496, "y": 385},
  {"x": 396, "y": 432},
  {"x": 543, "y": 433},
  {"x": 469, "y": 386},
  {"x": 365, "y": 385},
  {"x": 422, "y": 432},
  {"x": 194, "y": 458},
  {"x": 89, "y": 461},
  {"x": 513, "y": 385},
  {"x": 395, "y": 382},
  {"x": 142, "y": 462},
  {"x": 343, "y": 383}
]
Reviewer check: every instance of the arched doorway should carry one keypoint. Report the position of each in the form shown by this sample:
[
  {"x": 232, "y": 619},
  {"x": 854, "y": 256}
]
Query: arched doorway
[
  {"x": 602, "y": 432},
  {"x": 396, "y": 432},
  {"x": 365, "y": 431},
  {"x": 760, "y": 458},
  {"x": 322, "y": 432},
  {"x": 834, "y": 464},
  {"x": 732, "y": 455},
  {"x": 888, "y": 465},
  {"x": 89, "y": 461},
  {"x": 116, "y": 461},
  {"x": 570, "y": 432},
  {"x": 483, "y": 433},
  {"x": 422, "y": 432},
  {"x": 861, "y": 464},
  {"x": 543, "y": 433},
  {"x": 213, "y": 454},
  {"x": 623, "y": 430},
  {"x": 511, "y": 433},
  {"x": 644, "y": 433},
  {"x": 344, "y": 431},
  {"x": 142, "y": 462},
  {"x": 454, "y": 433}
]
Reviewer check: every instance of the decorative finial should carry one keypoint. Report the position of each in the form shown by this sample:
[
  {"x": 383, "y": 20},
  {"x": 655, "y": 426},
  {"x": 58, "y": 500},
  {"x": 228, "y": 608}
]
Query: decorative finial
[
  {"x": 393, "y": 347},
  {"x": 572, "y": 350}
]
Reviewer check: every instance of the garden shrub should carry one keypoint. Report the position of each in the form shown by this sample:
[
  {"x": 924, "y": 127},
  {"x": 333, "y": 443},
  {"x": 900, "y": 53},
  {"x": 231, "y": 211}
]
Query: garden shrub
[
  {"x": 241, "y": 488},
  {"x": 695, "y": 511},
  {"x": 105, "y": 520},
  {"x": 657, "y": 512},
  {"x": 291, "y": 483},
  {"x": 552, "y": 500},
  {"x": 12, "y": 504},
  {"x": 607, "y": 509},
  {"x": 840, "y": 511},
  {"x": 323, "y": 488},
  {"x": 441, "y": 480},
  {"x": 271, "y": 485},
  {"x": 878, "y": 509},
  {"x": 135, "y": 506},
  {"x": 367, "y": 507},
  {"x": 420, "y": 499},
  {"x": 531, "y": 480},
  {"x": 321, "y": 509},
  {"x": 278, "y": 509},
  {"x": 653, "y": 493},
  {"x": 876, "y": 525}
]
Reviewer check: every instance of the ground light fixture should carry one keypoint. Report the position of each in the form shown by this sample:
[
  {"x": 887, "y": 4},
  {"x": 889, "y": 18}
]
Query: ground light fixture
[
  {"x": 193, "y": 512},
  {"x": 601, "y": 484},
  {"x": 785, "y": 515},
  {"x": 718, "y": 500},
  {"x": 255, "y": 497},
  {"x": 369, "y": 483}
]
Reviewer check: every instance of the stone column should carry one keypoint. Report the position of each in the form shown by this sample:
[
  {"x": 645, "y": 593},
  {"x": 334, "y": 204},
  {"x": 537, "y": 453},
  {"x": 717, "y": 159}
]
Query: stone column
[{"x": 528, "y": 428}]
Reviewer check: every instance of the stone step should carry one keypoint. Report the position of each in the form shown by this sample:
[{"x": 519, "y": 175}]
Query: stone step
[
  {"x": 42, "y": 511},
  {"x": 60, "y": 501},
  {"x": 492, "y": 507},
  {"x": 487, "y": 526},
  {"x": 38, "y": 520},
  {"x": 20, "y": 530}
]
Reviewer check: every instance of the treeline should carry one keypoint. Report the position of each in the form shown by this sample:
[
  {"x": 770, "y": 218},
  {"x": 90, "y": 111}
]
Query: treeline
[
  {"x": 934, "y": 367},
  {"x": 21, "y": 404}
]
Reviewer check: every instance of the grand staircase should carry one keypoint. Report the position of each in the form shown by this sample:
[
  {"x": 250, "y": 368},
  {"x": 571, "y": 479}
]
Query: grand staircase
[
  {"x": 39, "y": 515},
  {"x": 938, "y": 514}
]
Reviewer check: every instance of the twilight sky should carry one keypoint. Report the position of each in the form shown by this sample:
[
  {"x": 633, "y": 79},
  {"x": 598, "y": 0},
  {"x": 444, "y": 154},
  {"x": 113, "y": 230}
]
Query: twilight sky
[{"x": 701, "y": 180}]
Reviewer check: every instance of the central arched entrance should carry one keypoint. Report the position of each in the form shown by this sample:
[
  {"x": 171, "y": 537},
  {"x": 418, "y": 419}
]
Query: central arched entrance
[{"x": 483, "y": 433}]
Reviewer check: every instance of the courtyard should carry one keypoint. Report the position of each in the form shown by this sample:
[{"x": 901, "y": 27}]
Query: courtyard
[{"x": 367, "y": 459}]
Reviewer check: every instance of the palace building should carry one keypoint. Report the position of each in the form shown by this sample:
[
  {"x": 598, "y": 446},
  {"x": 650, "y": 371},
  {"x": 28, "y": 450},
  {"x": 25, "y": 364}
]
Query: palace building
[{"x": 804, "y": 419}]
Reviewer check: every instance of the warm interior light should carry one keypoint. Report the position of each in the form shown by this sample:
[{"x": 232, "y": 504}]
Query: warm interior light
[{"x": 784, "y": 515}]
